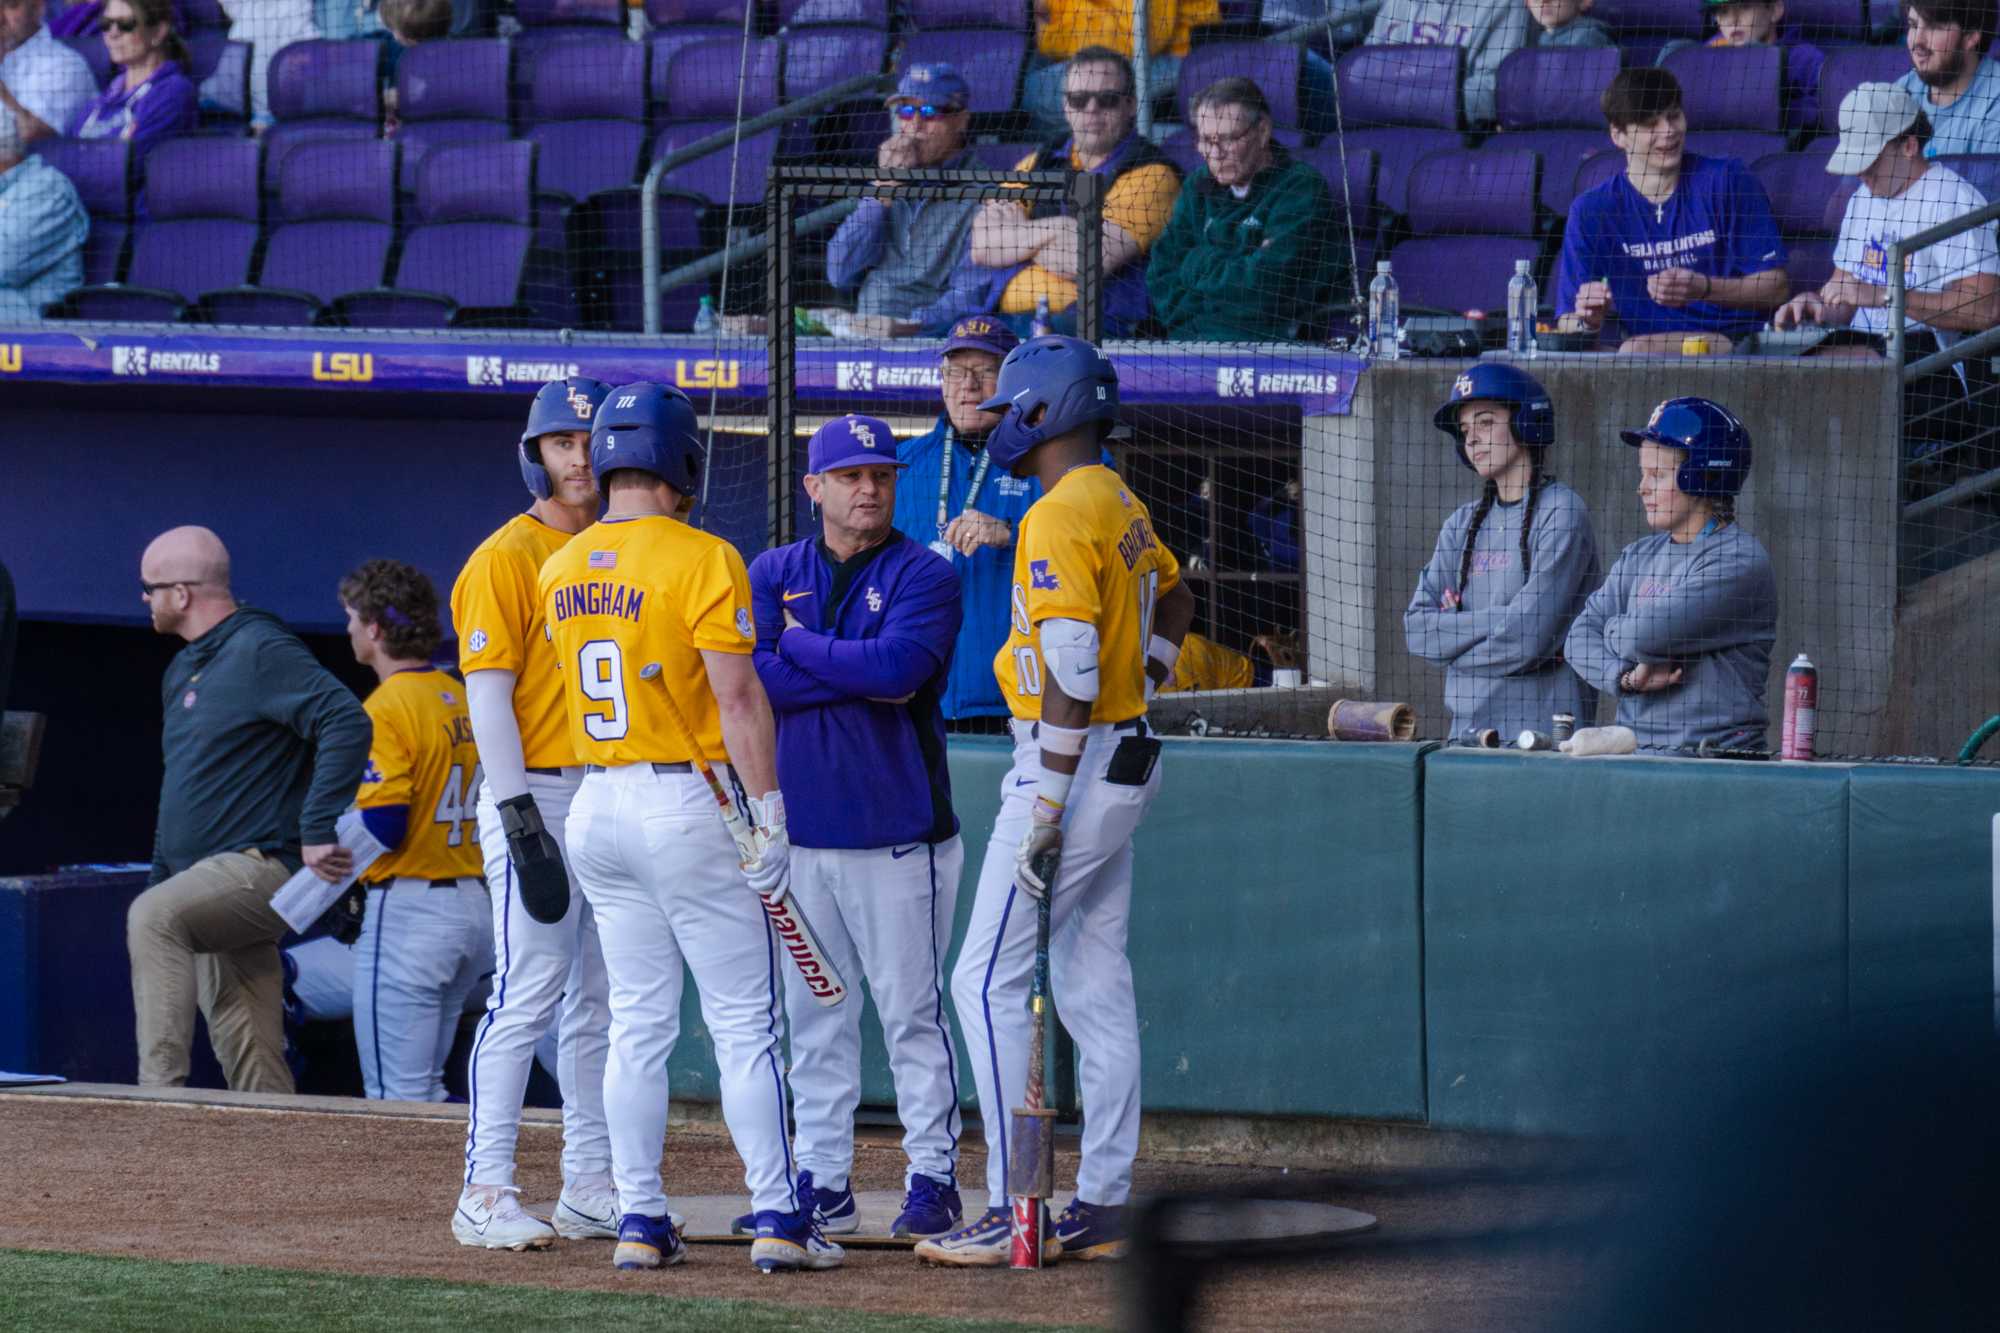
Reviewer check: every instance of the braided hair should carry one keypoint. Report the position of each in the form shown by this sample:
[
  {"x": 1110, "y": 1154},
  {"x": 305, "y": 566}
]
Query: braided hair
[{"x": 1537, "y": 479}]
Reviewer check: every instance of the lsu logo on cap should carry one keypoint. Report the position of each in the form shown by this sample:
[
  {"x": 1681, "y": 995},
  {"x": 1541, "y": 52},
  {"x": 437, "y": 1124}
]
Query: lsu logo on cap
[
  {"x": 1041, "y": 576},
  {"x": 1461, "y": 386},
  {"x": 863, "y": 433},
  {"x": 371, "y": 773},
  {"x": 579, "y": 403},
  {"x": 973, "y": 328}
]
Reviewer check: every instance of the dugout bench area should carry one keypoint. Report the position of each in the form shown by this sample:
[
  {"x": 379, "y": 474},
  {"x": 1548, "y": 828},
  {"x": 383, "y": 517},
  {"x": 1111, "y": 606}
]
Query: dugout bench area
[{"x": 1466, "y": 940}]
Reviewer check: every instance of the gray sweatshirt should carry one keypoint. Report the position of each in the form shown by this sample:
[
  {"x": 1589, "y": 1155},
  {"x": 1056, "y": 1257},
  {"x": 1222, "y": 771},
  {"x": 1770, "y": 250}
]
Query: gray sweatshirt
[
  {"x": 1489, "y": 30},
  {"x": 1709, "y": 606},
  {"x": 1502, "y": 649}
]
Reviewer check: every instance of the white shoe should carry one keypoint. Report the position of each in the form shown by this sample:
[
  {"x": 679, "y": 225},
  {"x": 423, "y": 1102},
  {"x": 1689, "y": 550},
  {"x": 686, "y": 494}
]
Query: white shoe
[
  {"x": 491, "y": 1217},
  {"x": 588, "y": 1209}
]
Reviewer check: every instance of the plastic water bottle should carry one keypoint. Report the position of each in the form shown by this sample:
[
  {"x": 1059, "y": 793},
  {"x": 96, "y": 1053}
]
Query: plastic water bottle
[
  {"x": 1385, "y": 313},
  {"x": 705, "y": 318},
  {"x": 1523, "y": 301},
  {"x": 1040, "y": 328}
]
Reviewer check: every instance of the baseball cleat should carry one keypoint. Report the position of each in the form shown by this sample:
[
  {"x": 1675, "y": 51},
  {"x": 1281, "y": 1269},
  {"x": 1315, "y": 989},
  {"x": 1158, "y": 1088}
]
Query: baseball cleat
[
  {"x": 647, "y": 1242},
  {"x": 588, "y": 1209},
  {"x": 833, "y": 1210},
  {"x": 985, "y": 1242},
  {"x": 930, "y": 1208},
  {"x": 788, "y": 1242},
  {"x": 1091, "y": 1230},
  {"x": 491, "y": 1217}
]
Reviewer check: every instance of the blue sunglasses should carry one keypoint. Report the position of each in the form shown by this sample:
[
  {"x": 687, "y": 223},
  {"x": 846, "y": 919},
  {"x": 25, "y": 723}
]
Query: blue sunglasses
[{"x": 910, "y": 111}]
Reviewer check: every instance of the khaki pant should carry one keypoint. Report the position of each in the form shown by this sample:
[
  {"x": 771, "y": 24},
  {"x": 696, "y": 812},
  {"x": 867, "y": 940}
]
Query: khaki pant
[{"x": 208, "y": 936}]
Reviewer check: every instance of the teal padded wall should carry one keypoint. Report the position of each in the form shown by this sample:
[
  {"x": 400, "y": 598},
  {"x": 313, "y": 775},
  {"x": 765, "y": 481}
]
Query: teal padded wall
[
  {"x": 1920, "y": 875},
  {"x": 1599, "y": 932}
]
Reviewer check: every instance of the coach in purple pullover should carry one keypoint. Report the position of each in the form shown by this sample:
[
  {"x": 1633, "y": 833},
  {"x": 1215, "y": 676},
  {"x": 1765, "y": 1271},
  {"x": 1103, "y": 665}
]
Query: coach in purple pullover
[{"x": 854, "y": 638}]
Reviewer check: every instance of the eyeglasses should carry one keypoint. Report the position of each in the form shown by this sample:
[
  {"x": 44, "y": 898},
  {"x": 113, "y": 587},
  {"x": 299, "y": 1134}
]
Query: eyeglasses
[
  {"x": 148, "y": 589},
  {"x": 962, "y": 375},
  {"x": 1219, "y": 143},
  {"x": 1103, "y": 100},
  {"x": 911, "y": 110},
  {"x": 127, "y": 26}
]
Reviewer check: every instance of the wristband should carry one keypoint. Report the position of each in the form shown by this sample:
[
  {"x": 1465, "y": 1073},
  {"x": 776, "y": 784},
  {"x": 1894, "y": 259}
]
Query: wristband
[
  {"x": 1061, "y": 740},
  {"x": 1163, "y": 652},
  {"x": 1054, "y": 788}
]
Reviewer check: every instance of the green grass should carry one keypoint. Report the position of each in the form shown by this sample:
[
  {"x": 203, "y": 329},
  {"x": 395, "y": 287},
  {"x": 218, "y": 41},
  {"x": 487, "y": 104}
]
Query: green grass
[{"x": 39, "y": 1290}]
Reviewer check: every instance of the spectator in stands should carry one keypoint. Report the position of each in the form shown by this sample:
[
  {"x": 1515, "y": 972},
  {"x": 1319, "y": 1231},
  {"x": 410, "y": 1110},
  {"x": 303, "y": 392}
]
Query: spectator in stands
[
  {"x": 43, "y": 82},
  {"x": 1677, "y": 243},
  {"x": 42, "y": 229},
  {"x": 409, "y": 22},
  {"x": 269, "y": 26},
  {"x": 1488, "y": 30},
  {"x": 1567, "y": 23},
  {"x": 151, "y": 98},
  {"x": 1681, "y": 629},
  {"x": 1065, "y": 29},
  {"x": 1952, "y": 288},
  {"x": 1510, "y": 569},
  {"x": 263, "y": 751},
  {"x": 1030, "y": 254},
  {"x": 1958, "y": 88},
  {"x": 903, "y": 253},
  {"x": 1760, "y": 23},
  {"x": 1255, "y": 242},
  {"x": 951, "y": 496}
]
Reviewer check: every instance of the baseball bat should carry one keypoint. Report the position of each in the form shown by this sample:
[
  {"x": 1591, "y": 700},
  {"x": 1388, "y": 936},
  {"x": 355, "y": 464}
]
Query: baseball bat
[
  {"x": 1031, "y": 1166},
  {"x": 795, "y": 932}
]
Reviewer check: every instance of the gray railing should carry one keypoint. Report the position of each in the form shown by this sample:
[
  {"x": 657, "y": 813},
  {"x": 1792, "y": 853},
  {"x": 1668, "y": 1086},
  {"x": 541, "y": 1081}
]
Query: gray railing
[{"x": 1966, "y": 349}]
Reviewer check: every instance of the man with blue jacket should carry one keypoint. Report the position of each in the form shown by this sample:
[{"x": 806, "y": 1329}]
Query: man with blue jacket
[
  {"x": 855, "y": 629},
  {"x": 952, "y": 498}
]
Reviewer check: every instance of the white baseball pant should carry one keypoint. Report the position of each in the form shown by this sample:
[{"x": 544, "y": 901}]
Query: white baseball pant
[
  {"x": 1089, "y": 974},
  {"x": 662, "y": 876},
  {"x": 324, "y": 983},
  {"x": 535, "y": 967},
  {"x": 884, "y": 913},
  {"x": 424, "y": 945}
]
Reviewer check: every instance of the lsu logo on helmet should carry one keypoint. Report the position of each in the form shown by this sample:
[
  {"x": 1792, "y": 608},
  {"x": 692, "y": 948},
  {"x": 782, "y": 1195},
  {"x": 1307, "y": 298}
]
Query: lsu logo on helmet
[
  {"x": 1461, "y": 386},
  {"x": 579, "y": 403}
]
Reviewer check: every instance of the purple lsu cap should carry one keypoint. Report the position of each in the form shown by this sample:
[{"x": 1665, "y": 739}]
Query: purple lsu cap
[
  {"x": 931, "y": 81},
  {"x": 980, "y": 333},
  {"x": 851, "y": 441}
]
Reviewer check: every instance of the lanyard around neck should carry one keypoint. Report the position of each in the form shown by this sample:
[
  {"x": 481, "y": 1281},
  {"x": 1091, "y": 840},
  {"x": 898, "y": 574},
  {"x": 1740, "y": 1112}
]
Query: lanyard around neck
[{"x": 944, "y": 481}]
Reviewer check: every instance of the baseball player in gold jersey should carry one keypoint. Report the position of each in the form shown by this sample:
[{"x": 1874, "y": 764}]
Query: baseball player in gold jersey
[
  {"x": 426, "y": 936},
  {"x": 1098, "y": 612},
  {"x": 651, "y": 625},
  {"x": 545, "y": 938}
]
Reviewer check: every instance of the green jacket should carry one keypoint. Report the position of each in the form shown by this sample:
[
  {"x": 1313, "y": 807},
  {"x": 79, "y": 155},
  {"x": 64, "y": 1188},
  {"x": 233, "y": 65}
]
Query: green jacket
[{"x": 1252, "y": 269}]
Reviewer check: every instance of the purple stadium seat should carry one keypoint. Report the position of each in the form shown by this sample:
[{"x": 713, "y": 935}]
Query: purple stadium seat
[
  {"x": 676, "y": 13},
  {"x": 708, "y": 178},
  {"x": 1397, "y": 153},
  {"x": 614, "y": 297},
  {"x": 1594, "y": 171},
  {"x": 225, "y": 91},
  {"x": 1808, "y": 264},
  {"x": 201, "y": 195},
  {"x": 465, "y": 260},
  {"x": 452, "y": 91},
  {"x": 698, "y": 81},
  {"x": 1828, "y": 21},
  {"x": 101, "y": 171},
  {"x": 1415, "y": 86},
  {"x": 205, "y": 47},
  {"x": 322, "y": 90},
  {"x": 1353, "y": 188},
  {"x": 1730, "y": 87},
  {"x": 1473, "y": 216},
  {"x": 990, "y": 60},
  {"x": 1848, "y": 67},
  {"x": 195, "y": 15},
  {"x": 1273, "y": 66},
  {"x": 91, "y": 48},
  {"x": 817, "y": 58},
  {"x": 587, "y": 80},
  {"x": 570, "y": 13},
  {"x": 1651, "y": 18},
  {"x": 1746, "y": 146},
  {"x": 1562, "y": 152},
  {"x": 1800, "y": 189},
  {"x": 1981, "y": 171},
  {"x": 1002, "y": 156},
  {"x": 337, "y": 214},
  {"x": 929, "y": 15},
  {"x": 852, "y": 13},
  {"x": 580, "y": 157},
  {"x": 1183, "y": 152},
  {"x": 1553, "y": 87}
]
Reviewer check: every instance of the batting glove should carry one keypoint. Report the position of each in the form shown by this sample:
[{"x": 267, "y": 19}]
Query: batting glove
[
  {"x": 1041, "y": 850},
  {"x": 771, "y": 873},
  {"x": 537, "y": 860}
]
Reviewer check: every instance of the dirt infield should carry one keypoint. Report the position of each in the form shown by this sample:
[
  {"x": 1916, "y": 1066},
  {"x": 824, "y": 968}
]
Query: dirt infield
[{"x": 373, "y": 1195}]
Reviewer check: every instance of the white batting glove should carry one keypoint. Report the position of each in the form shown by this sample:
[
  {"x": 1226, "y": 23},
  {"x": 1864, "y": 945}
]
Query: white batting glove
[
  {"x": 1040, "y": 853},
  {"x": 771, "y": 873}
]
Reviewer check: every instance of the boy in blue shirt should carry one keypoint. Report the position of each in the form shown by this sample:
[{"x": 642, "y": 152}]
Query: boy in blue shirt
[{"x": 1677, "y": 244}]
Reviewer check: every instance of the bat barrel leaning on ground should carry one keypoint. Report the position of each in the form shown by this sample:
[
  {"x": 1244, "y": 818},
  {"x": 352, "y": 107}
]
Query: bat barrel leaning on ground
[{"x": 795, "y": 933}]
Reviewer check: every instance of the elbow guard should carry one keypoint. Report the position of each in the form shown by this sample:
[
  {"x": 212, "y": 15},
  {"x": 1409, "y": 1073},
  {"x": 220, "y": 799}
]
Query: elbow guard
[{"x": 1070, "y": 649}]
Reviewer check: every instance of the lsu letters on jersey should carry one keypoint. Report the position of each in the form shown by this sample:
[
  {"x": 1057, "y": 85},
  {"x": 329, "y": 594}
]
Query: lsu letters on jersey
[
  {"x": 1086, "y": 551},
  {"x": 423, "y": 757},
  {"x": 498, "y": 614},
  {"x": 627, "y": 593}
]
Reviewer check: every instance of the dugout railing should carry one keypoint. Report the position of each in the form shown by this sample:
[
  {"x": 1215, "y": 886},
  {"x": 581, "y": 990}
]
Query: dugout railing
[{"x": 1959, "y": 358}]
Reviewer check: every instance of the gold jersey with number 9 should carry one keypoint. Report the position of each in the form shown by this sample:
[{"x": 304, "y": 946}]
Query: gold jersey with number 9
[{"x": 1086, "y": 551}]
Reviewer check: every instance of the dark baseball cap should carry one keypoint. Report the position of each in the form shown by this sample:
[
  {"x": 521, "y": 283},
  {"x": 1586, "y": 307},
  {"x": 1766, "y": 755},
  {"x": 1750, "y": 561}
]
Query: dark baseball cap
[
  {"x": 931, "y": 81},
  {"x": 852, "y": 441},
  {"x": 980, "y": 333}
]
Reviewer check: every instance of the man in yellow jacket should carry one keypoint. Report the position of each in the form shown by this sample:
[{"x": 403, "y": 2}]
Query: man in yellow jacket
[{"x": 1064, "y": 27}]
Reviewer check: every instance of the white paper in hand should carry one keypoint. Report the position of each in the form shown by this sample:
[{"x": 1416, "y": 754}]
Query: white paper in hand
[{"x": 302, "y": 898}]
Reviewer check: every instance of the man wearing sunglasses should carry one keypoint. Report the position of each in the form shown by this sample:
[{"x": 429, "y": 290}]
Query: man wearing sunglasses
[
  {"x": 42, "y": 82},
  {"x": 1030, "y": 254},
  {"x": 901, "y": 253}
]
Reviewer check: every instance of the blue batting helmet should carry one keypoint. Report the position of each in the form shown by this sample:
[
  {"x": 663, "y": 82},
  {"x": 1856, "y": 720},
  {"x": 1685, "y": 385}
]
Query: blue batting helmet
[
  {"x": 1717, "y": 445},
  {"x": 1533, "y": 415},
  {"x": 649, "y": 428},
  {"x": 1049, "y": 385},
  {"x": 560, "y": 405}
]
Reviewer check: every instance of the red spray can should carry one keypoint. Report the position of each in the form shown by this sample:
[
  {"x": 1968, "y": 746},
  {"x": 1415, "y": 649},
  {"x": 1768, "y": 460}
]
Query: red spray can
[{"x": 1801, "y": 709}]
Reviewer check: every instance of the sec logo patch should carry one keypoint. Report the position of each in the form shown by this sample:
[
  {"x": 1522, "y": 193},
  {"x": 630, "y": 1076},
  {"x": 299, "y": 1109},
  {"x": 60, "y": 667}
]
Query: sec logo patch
[
  {"x": 187, "y": 700},
  {"x": 477, "y": 642},
  {"x": 743, "y": 623}
]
